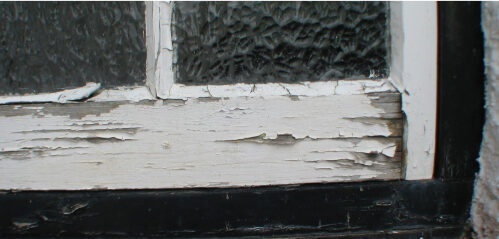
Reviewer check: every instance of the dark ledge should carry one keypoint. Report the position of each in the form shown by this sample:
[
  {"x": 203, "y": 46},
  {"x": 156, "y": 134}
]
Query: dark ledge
[{"x": 379, "y": 207}]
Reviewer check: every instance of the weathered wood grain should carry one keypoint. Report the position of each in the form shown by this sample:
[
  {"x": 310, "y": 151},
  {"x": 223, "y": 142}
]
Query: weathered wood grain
[{"x": 204, "y": 142}]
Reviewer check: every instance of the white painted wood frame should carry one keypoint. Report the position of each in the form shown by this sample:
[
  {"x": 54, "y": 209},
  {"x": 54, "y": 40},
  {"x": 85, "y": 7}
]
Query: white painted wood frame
[
  {"x": 232, "y": 135},
  {"x": 414, "y": 73},
  {"x": 413, "y": 30}
]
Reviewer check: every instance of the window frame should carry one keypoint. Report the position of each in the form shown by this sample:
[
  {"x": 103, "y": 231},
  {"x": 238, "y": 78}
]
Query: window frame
[
  {"x": 410, "y": 65},
  {"x": 334, "y": 210},
  {"x": 413, "y": 33}
]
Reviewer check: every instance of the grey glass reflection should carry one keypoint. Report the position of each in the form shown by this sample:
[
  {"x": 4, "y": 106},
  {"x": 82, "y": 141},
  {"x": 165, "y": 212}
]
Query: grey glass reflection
[
  {"x": 258, "y": 42},
  {"x": 47, "y": 46}
]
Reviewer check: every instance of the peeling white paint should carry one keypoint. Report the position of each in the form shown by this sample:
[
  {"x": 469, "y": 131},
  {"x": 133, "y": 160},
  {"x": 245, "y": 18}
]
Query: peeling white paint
[
  {"x": 152, "y": 47},
  {"x": 63, "y": 96},
  {"x": 413, "y": 73},
  {"x": 159, "y": 48},
  {"x": 321, "y": 88},
  {"x": 226, "y": 135},
  {"x": 160, "y": 75},
  {"x": 212, "y": 142},
  {"x": 91, "y": 92},
  {"x": 163, "y": 82},
  {"x": 133, "y": 94}
]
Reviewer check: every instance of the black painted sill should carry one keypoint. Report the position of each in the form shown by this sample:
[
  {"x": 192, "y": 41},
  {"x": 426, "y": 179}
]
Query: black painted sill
[{"x": 375, "y": 208}]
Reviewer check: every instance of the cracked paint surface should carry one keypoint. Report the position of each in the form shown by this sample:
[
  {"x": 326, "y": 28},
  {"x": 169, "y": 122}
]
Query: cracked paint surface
[{"x": 217, "y": 141}]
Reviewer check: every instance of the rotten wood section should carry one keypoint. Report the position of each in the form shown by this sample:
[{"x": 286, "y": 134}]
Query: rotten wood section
[{"x": 201, "y": 142}]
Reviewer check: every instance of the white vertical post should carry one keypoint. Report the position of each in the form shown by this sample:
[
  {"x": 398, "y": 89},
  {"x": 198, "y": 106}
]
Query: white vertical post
[
  {"x": 414, "y": 73},
  {"x": 159, "y": 48}
]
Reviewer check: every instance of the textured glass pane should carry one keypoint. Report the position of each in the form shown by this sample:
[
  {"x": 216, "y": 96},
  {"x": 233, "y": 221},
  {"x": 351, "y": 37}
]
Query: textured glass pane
[
  {"x": 47, "y": 46},
  {"x": 257, "y": 42}
]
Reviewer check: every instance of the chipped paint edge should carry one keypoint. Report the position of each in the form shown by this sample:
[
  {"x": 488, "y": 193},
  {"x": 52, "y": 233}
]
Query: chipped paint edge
[
  {"x": 63, "y": 96},
  {"x": 133, "y": 94},
  {"x": 162, "y": 73},
  {"x": 144, "y": 145},
  {"x": 413, "y": 74},
  {"x": 408, "y": 58},
  {"x": 91, "y": 92},
  {"x": 322, "y": 88}
]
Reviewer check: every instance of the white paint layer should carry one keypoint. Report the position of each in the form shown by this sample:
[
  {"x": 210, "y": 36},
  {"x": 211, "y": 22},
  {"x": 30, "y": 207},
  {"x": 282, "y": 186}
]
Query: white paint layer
[
  {"x": 162, "y": 82},
  {"x": 165, "y": 64},
  {"x": 152, "y": 45},
  {"x": 414, "y": 72},
  {"x": 211, "y": 142},
  {"x": 321, "y": 88},
  {"x": 56, "y": 97},
  {"x": 159, "y": 48},
  {"x": 133, "y": 94}
]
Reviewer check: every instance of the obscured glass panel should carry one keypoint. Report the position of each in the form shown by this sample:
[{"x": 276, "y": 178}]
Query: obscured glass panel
[
  {"x": 258, "y": 42},
  {"x": 49, "y": 46}
]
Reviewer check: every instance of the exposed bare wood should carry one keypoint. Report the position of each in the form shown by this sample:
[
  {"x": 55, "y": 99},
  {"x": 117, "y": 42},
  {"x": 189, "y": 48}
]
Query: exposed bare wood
[{"x": 205, "y": 142}]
